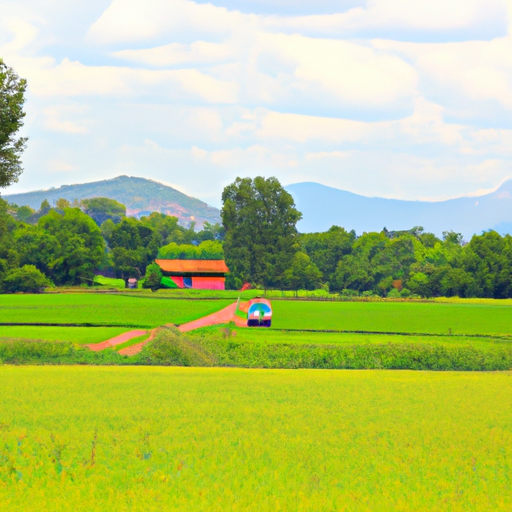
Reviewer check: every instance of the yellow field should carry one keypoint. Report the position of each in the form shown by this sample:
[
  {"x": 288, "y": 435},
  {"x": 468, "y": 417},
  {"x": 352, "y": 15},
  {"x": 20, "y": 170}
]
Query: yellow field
[{"x": 123, "y": 439}]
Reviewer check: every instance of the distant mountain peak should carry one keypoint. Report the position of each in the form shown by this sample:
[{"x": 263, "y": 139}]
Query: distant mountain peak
[
  {"x": 323, "y": 206},
  {"x": 141, "y": 196}
]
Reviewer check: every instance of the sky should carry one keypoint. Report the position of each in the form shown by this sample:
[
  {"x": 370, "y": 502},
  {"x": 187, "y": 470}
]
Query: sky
[{"x": 406, "y": 99}]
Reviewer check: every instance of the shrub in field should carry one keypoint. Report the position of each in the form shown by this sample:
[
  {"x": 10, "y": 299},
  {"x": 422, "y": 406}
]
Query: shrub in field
[
  {"x": 25, "y": 279},
  {"x": 172, "y": 348},
  {"x": 153, "y": 277},
  {"x": 394, "y": 294}
]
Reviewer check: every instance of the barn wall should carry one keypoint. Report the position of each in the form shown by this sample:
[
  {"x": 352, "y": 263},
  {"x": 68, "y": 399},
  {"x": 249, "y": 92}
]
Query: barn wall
[
  {"x": 208, "y": 283},
  {"x": 178, "y": 280}
]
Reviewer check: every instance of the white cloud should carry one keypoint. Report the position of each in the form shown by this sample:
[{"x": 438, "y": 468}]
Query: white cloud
[
  {"x": 424, "y": 126},
  {"x": 195, "y": 94},
  {"x": 199, "y": 52},
  {"x": 477, "y": 71},
  {"x": 433, "y": 15},
  {"x": 58, "y": 166},
  {"x": 57, "y": 119},
  {"x": 131, "y": 20}
]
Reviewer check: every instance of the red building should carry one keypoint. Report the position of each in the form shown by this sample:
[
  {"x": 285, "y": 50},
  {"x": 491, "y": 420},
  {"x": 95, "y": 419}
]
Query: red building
[{"x": 199, "y": 274}]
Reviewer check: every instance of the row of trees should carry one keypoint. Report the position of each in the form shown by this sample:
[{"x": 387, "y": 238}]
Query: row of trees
[
  {"x": 263, "y": 247},
  {"x": 67, "y": 244}
]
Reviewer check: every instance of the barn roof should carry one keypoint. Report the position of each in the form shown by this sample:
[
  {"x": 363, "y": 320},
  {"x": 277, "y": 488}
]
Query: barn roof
[{"x": 191, "y": 266}]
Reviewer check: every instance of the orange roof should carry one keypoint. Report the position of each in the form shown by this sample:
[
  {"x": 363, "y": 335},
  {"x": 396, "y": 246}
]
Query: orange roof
[{"x": 200, "y": 266}]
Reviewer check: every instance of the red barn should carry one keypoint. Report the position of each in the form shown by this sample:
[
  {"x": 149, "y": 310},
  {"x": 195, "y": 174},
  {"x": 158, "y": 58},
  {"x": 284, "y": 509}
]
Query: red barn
[{"x": 199, "y": 274}]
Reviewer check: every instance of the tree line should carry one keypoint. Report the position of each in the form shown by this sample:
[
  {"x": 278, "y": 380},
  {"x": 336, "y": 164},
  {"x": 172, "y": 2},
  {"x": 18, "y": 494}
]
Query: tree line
[
  {"x": 263, "y": 247},
  {"x": 65, "y": 245}
]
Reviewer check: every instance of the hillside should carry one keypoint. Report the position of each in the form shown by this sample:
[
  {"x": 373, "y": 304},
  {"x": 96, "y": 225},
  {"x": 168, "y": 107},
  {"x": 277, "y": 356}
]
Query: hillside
[
  {"x": 140, "y": 196},
  {"x": 324, "y": 206}
]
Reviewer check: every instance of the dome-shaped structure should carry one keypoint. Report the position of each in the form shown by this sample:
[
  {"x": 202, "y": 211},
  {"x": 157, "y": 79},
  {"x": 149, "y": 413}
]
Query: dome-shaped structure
[{"x": 259, "y": 313}]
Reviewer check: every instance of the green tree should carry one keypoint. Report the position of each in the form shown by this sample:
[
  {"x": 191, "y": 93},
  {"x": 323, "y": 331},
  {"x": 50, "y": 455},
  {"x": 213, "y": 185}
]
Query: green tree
[
  {"x": 153, "y": 277},
  {"x": 488, "y": 257},
  {"x": 9, "y": 256},
  {"x": 101, "y": 209},
  {"x": 24, "y": 213},
  {"x": 260, "y": 219},
  {"x": 12, "y": 98},
  {"x": 134, "y": 245},
  {"x": 303, "y": 274},
  {"x": 62, "y": 203},
  {"x": 327, "y": 249},
  {"x": 207, "y": 250},
  {"x": 82, "y": 247},
  {"x": 25, "y": 279}
]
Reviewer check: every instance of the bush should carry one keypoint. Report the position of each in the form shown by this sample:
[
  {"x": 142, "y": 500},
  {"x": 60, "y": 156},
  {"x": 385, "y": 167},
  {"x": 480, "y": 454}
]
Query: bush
[
  {"x": 394, "y": 294},
  {"x": 405, "y": 293},
  {"x": 207, "y": 250},
  {"x": 153, "y": 277},
  {"x": 172, "y": 348},
  {"x": 25, "y": 279}
]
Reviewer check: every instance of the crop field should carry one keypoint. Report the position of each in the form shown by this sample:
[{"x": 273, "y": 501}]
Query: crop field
[
  {"x": 274, "y": 336},
  {"x": 402, "y": 317},
  {"x": 124, "y": 439},
  {"x": 99, "y": 309},
  {"x": 81, "y": 335}
]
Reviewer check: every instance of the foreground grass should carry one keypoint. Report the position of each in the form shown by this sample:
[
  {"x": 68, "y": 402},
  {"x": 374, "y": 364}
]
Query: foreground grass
[
  {"x": 124, "y": 439},
  {"x": 98, "y": 309},
  {"x": 404, "y": 317}
]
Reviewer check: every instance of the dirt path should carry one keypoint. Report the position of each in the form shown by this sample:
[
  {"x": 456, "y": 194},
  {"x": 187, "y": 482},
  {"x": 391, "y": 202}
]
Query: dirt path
[
  {"x": 117, "y": 340},
  {"x": 135, "y": 349},
  {"x": 220, "y": 317}
]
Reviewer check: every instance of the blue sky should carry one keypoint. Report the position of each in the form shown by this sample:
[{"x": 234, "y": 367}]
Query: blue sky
[{"x": 408, "y": 99}]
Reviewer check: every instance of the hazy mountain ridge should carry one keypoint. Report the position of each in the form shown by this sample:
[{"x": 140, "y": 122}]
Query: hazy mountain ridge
[
  {"x": 139, "y": 195},
  {"x": 324, "y": 206}
]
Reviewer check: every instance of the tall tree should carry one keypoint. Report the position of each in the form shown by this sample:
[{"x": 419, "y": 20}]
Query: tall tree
[
  {"x": 80, "y": 246},
  {"x": 260, "y": 219},
  {"x": 12, "y": 98}
]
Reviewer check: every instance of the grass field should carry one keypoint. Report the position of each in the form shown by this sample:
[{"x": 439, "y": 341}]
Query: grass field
[
  {"x": 81, "y": 335},
  {"x": 404, "y": 317},
  {"x": 125, "y": 439},
  {"x": 274, "y": 336},
  {"x": 99, "y": 309}
]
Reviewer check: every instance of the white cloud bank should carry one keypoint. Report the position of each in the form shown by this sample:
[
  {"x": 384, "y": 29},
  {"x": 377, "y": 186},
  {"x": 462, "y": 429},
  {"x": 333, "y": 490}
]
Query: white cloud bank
[{"x": 400, "y": 98}]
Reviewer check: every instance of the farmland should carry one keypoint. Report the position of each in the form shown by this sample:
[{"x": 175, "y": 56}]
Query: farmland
[
  {"x": 274, "y": 336},
  {"x": 415, "y": 335},
  {"x": 402, "y": 317},
  {"x": 79, "y": 335},
  {"x": 230, "y": 439},
  {"x": 99, "y": 309}
]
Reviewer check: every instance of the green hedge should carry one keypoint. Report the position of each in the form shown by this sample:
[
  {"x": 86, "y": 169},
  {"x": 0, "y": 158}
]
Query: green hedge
[{"x": 170, "y": 347}]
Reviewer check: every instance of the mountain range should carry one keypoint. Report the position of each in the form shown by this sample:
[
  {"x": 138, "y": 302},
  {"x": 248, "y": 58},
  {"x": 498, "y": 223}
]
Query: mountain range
[
  {"x": 320, "y": 205},
  {"x": 324, "y": 206},
  {"x": 140, "y": 196}
]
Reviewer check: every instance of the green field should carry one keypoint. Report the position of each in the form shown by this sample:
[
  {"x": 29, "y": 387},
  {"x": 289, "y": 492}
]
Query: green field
[
  {"x": 274, "y": 336},
  {"x": 125, "y": 439},
  {"x": 100, "y": 309},
  {"x": 81, "y": 335},
  {"x": 403, "y": 317}
]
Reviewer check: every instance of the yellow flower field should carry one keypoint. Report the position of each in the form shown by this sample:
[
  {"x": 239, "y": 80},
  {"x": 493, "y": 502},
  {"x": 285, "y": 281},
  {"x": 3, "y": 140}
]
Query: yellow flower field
[{"x": 125, "y": 438}]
